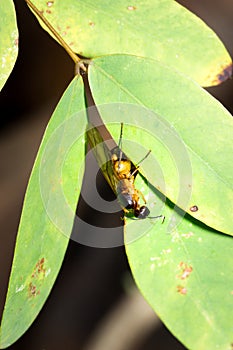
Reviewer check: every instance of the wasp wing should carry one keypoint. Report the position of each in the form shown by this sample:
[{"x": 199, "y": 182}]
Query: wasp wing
[
  {"x": 102, "y": 154},
  {"x": 100, "y": 139}
]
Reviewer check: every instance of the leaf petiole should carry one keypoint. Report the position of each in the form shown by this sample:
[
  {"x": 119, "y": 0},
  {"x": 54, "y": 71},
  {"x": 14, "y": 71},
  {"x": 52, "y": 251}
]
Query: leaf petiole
[{"x": 77, "y": 60}]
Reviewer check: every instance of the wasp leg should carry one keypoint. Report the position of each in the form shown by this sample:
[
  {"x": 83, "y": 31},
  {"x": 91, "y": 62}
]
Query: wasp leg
[
  {"x": 125, "y": 212},
  {"x": 135, "y": 171},
  {"x": 141, "y": 195}
]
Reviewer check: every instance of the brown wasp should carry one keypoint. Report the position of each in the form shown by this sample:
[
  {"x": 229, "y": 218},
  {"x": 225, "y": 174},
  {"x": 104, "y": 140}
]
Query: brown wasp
[
  {"x": 117, "y": 168},
  {"x": 124, "y": 172}
]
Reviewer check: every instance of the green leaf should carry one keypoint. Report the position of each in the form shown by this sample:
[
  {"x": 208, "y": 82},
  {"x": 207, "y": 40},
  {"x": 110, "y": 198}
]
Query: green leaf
[
  {"x": 186, "y": 277},
  {"x": 188, "y": 131},
  {"x": 48, "y": 215},
  {"x": 159, "y": 29},
  {"x": 8, "y": 40},
  {"x": 182, "y": 267}
]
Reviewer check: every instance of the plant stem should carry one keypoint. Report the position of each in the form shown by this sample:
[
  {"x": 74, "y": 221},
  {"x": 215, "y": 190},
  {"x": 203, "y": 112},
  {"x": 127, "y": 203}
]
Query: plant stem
[{"x": 78, "y": 61}]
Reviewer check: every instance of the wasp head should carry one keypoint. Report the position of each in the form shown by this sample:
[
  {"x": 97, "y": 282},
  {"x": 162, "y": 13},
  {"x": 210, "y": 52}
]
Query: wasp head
[{"x": 141, "y": 212}]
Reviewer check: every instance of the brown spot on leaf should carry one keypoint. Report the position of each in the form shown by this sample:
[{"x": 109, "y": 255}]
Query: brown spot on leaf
[
  {"x": 131, "y": 8},
  {"x": 40, "y": 266},
  {"x": 187, "y": 235},
  {"x": 48, "y": 11},
  {"x": 194, "y": 208},
  {"x": 185, "y": 271},
  {"x": 50, "y": 3},
  {"x": 39, "y": 270},
  {"x": 37, "y": 277},
  {"x": 91, "y": 24},
  {"x": 181, "y": 290},
  {"x": 225, "y": 74},
  {"x": 32, "y": 291}
]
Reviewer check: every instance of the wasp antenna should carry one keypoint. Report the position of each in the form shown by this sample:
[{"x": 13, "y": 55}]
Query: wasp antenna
[
  {"x": 144, "y": 157},
  {"x": 120, "y": 146},
  {"x": 120, "y": 157},
  {"x": 157, "y": 217},
  {"x": 137, "y": 166},
  {"x": 150, "y": 217},
  {"x": 120, "y": 138}
]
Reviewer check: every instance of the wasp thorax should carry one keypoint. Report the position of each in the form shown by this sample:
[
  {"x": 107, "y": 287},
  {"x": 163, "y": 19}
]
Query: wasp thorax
[
  {"x": 122, "y": 167},
  {"x": 125, "y": 172},
  {"x": 126, "y": 201}
]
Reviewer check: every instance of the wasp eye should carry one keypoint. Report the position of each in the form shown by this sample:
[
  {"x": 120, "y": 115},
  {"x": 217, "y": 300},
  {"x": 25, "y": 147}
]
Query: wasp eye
[{"x": 142, "y": 213}]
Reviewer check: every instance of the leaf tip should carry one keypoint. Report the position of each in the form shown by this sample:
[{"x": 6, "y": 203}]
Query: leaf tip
[{"x": 225, "y": 74}]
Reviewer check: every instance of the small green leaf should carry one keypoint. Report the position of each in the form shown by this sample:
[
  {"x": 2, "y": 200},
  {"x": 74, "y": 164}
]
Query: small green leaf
[
  {"x": 186, "y": 277},
  {"x": 48, "y": 215},
  {"x": 8, "y": 40},
  {"x": 188, "y": 131},
  {"x": 159, "y": 29}
]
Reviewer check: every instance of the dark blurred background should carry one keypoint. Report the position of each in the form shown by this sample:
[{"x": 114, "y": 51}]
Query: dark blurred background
[{"x": 91, "y": 295}]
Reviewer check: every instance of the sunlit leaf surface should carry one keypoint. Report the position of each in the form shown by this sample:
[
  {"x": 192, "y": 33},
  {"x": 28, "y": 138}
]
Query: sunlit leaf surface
[
  {"x": 188, "y": 131},
  {"x": 48, "y": 215},
  {"x": 186, "y": 276},
  {"x": 8, "y": 40},
  {"x": 182, "y": 267},
  {"x": 159, "y": 29}
]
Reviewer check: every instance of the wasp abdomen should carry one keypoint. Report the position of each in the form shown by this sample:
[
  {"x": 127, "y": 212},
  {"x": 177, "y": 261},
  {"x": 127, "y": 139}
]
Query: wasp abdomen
[
  {"x": 125, "y": 172},
  {"x": 124, "y": 195},
  {"x": 126, "y": 201}
]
